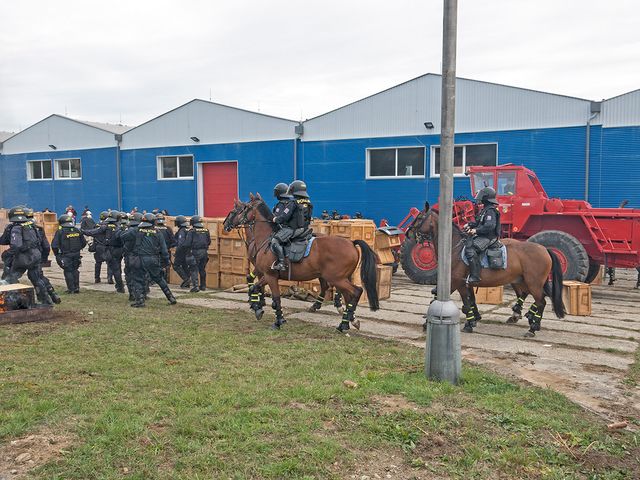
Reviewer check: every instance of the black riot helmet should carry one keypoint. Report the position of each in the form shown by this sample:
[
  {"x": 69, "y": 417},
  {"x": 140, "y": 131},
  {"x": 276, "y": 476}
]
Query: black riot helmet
[
  {"x": 148, "y": 220},
  {"x": 135, "y": 219},
  {"x": 65, "y": 220},
  {"x": 18, "y": 215},
  {"x": 298, "y": 189},
  {"x": 196, "y": 221},
  {"x": 486, "y": 195},
  {"x": 181, "y": 221},
  {"x": 113, "y": 217},
  {"x": 28, "y": 212},
  {"x": 159, "y": 219},
  {"x": 103, "y": 215},
  {"x": 280, "y": 191}
]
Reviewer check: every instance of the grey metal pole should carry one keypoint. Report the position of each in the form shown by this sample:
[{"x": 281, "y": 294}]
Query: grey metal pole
[{"x": 443, "y": 357}]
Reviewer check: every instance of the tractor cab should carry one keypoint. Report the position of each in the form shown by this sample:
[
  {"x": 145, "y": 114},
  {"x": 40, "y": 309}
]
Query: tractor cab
[{"x": 517, "y": 190}]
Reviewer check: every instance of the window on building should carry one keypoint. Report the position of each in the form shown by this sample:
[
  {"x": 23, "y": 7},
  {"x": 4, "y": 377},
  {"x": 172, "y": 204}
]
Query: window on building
[
  {"x": 175, "y": 167},
  {"x": 39, "y": 170},
  {"x": 69, "y": 168},
  {"x": 395, "y": 162},
  {"x": 467, "y": 156}
]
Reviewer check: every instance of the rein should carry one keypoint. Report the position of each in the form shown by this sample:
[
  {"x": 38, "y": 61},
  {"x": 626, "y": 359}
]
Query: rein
[{"x": 245, "y": 223}]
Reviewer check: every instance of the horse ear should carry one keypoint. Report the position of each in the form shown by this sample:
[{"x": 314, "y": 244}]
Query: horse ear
[
  {"x": 258, "y": 196},
  {"x": 251, "y": 196},
  {"x": 426, "y": 206}
]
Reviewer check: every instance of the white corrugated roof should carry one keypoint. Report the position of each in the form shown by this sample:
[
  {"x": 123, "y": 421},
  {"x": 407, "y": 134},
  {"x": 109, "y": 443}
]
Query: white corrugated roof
[
  {"x": 5, "y": 135},
  {"x": 109, "y": 127}
]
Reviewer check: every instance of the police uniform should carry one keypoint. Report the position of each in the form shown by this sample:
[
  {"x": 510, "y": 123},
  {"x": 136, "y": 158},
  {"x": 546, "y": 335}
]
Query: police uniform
[
  {"x": 45, "y": 250},
  {"x": 135, "y": 220},
  {"x": 180, "y": 259},
  {"x": 107, "y": 235},
  {"x": 98, "y": 249},
  {"x": 197, "y": 241},
  {"x": 148, "y": 254},
  {"x": 169, "y": 238},
  {"x": 283, "y": 212},
  {"x": 67, "y": 244},
  {"x": 26, "y": 254},
  {"x": 487, "y": 230}
]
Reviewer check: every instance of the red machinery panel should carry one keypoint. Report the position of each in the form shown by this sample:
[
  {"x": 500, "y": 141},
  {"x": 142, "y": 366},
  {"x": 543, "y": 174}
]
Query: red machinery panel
[{"x": 219, "y": 188}]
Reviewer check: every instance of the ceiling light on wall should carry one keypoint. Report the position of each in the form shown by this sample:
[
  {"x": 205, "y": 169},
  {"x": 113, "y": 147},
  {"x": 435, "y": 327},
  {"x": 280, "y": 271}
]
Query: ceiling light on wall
[
  {"x": 428, "y": 125},
  {"x": 53, "y": 147},
  {"x": 195, "y": 139}
]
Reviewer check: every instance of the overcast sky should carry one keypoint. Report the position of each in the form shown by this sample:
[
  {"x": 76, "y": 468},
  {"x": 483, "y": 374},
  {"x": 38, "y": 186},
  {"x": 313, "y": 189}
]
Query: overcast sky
[{"x": 131, "y": 60}]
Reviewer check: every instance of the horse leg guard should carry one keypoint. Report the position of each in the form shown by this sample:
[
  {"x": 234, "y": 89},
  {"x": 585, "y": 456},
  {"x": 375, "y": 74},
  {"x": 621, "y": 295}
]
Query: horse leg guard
[
  {"x": 256, "y": 302},
  {"x": 349, "y": 316},
  {"x": 317, "y": 305},
  {"x": 279, "y": 317},
  {"x": 470, "y": 319},
  {"x": 517, "y": 311},
  {"x": 476, "y": 314},
  {"x": 534, "y": 315},
  {"x": 337, "y": 302}
]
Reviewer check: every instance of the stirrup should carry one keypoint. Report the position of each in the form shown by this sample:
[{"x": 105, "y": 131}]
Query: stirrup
[
  {"x": 473, "y": 280},
  {"x": 278, "y": 266}
]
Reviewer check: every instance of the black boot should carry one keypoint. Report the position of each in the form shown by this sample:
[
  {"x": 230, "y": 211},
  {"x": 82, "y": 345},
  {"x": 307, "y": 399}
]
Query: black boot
[
  {"x": 76, "y": 276},
  {"x": 474, "y": 269},
  {"x": 280, "y": 264},
  {"x": 55, "y": 298}
]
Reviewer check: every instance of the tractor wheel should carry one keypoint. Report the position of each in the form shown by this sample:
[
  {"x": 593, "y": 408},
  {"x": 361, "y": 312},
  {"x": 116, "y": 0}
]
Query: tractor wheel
[
  {"x": 571, "y": 253},
  {"x": 594, "y": 269},
  {"x": 419, "y": 262}
]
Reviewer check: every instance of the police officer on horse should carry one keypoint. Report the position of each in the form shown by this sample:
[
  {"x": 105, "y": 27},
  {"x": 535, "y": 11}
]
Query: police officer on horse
[
  {"x": 282, "y": 214},
  {"x": 484, "y": 231}
]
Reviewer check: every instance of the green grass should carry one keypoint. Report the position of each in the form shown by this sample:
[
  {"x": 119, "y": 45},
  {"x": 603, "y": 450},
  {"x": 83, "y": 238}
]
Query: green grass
[{"x": 188, "y": 393}]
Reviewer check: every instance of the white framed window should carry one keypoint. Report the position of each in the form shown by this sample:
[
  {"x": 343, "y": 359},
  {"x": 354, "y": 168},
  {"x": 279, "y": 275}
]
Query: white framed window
[
  {"x": 39, "y": 170},
  {"x": 469, "y": 155},
  {"x": 68, "y": 169},
  {"x": 176, "y": 167},
  {"x": 396, "y": 162}
]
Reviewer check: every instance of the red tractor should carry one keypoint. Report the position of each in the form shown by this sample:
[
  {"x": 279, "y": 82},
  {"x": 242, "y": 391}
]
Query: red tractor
[{"x": 583, "y": 237}]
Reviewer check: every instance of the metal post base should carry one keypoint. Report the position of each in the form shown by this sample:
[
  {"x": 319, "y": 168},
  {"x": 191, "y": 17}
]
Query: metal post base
[{"x": 443, "y": 360}]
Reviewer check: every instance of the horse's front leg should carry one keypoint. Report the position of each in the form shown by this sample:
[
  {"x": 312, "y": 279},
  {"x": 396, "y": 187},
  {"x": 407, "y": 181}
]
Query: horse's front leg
[
  {"x": 317, "y": 305},
  {"x": 517, "y": 307},
  {"x": 469, "y": 308},
  {"x": 276, "y": 304},
  {"x": 256, "y": 294}
]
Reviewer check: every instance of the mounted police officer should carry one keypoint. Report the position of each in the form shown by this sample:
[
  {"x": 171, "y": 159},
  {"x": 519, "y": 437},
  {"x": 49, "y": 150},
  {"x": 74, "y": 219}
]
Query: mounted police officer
[
  {"x": 198, "y": 241},
  {"x": 169, "y": 237},
  {"x": 283, "y": 212},
  {"x": 45, "y": 250},
  {"x": 148, "y": 254},
  {"x": 66, "y": 245},
  {"x": 26, "y": 254},
  {"x": 305, "y": 208},
  {"x": 180, "y": 260},
  {"x": 107, "y": 235},
  {"x": 484, "y": 231}
]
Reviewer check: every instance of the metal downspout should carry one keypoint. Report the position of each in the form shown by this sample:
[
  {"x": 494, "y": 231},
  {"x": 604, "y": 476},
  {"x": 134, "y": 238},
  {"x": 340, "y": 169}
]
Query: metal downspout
[
  {"x": 595, "y": 110},
  {"x": 118, "y": 172}
]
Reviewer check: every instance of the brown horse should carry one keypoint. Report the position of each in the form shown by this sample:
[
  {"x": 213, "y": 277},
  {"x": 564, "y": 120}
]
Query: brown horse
[
  {"x": 331, "y": 259},
  {"x": 528, "y": 268}
]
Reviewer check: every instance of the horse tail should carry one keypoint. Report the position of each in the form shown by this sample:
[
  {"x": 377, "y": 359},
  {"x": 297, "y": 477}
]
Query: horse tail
[
  {"x": 369, "y": 274},
  {"x": 556, "y": 286}
]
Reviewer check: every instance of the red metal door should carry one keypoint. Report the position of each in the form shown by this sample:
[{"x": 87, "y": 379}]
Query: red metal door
[{"x": 219, "y": 188}]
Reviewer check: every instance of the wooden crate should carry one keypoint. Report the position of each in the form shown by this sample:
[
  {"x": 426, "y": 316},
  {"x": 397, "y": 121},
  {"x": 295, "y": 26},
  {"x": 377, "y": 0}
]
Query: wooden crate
[
  {"x": 232, "y": 247},
  {"x": 384, "y": 241},
  {"x": 174, "y": 278},
  {"x": 228, "y": 280},
  {"x": 355, "y": 230},
  {"x": 386, "y": 256},
  {"x": 235, "y": 233},
  {"x": 214, "y": 247},
  {"x": 384, "y": 274},
  {"x": 9, "y": 296},
  {"x": 237, "y": 265},
  {"x": 489, "y": 295},
  {"x": 50, "y": 230},
  {"x": 321, "y": 227},
  {"x": 213, "y": 265},
  {"x": 213, "y": 280},
  {"x": 577, "y": 298}
]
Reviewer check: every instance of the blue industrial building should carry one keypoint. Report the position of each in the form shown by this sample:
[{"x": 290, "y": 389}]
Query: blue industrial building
[{"x": 378, "y": 156}]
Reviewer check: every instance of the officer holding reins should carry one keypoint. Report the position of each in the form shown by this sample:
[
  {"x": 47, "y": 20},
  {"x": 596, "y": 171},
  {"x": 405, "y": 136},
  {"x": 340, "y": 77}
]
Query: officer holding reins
[
  {"x": 282, "y": 214},
  {"x": 483, "y": 232}
]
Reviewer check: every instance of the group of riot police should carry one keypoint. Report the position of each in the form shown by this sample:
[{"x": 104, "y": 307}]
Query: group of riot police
[
  {"x": 144, "y": 242},
  {"x": 292, "y": 214}
]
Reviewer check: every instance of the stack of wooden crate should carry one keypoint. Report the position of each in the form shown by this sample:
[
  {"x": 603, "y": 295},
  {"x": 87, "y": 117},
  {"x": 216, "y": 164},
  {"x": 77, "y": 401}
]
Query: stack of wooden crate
[
  {"x": 234, "y": 261},
  {"x": 384, "y": 245}
]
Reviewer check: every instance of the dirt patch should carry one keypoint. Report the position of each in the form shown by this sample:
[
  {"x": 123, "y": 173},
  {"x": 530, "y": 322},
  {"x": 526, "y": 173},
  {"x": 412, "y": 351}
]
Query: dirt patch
[
  {"x": 20, "y": 456},
  {"x": 392, "y": 404},
  {"x": 600, "y": 369},
  {"x": 389, "y": 464}
]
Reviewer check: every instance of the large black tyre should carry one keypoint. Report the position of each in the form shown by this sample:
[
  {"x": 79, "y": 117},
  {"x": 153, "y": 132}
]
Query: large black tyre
[
  {"x": 419, "y": 262},
  {"x": 594, "y": 269},
  {"x": 571, "y": 253}
]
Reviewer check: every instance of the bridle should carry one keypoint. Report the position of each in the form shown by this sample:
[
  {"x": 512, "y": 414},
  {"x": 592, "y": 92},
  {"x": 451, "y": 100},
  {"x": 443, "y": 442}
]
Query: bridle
[
  {"x": 416, "y": 227},
  {"x": 245, "y": 222}
]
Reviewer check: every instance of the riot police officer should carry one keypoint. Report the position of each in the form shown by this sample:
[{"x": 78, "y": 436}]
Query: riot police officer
[
  {"x": 299, "y": 191},
  {"x": 197, "y": 241},
  {"x": 67, "y": 244},
  {"x": 26, "y": 254},
  {"x": 98, "y": 249},
  {"x": 169, "y": 238},
  {"x": 283, "y": 212},
  {"x": 134, "y": 221},
  {"x": 483, "y": 231},
  {"x": 148, "y": 254},
  {"x": 106, "y": 235},
  {"x": 180, "y": 260},
  {"x": 45, "y": 250}
]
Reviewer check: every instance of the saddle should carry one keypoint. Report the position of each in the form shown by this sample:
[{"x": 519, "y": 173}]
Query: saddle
[
  {"x": 300, "y": 245},
  {"x": 494, "y": 257}
]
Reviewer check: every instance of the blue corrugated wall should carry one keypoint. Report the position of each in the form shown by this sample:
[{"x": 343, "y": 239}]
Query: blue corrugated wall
[
  {"x": 97, "y": 188},
  {"x": 335, "y": 170},
  {"x": 260, "y": 166},
  {"x": 615, "y": 167}
]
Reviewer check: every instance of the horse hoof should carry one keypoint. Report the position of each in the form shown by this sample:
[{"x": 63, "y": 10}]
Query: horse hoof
[
  {"x": 356, "y": 324},
  {"x": 424, "y": 327},
  {"x": 467, "y": 329},
  {"x": 529, "y": 334},
  {"x": 343, "y": 327},
  {"x": 340, "y": 310},
  {"x": 513, "y": 319},
  {"x": 312, "y": 309},
  {"x": 259, "y": 313},
  {"x": 275, "y": 326}
]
